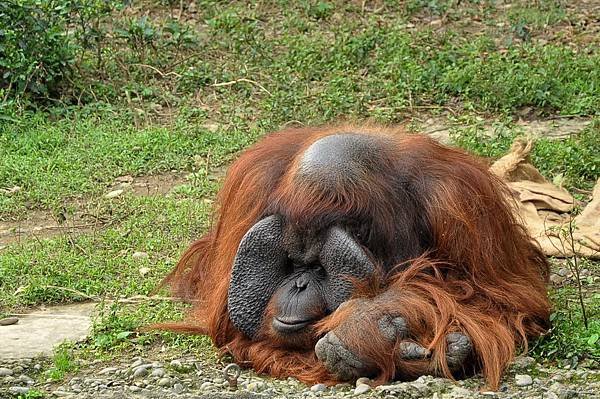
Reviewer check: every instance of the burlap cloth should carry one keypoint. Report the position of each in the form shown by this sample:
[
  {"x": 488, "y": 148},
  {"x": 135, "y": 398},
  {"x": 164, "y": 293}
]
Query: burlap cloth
[{"x": 546, "y": 210}]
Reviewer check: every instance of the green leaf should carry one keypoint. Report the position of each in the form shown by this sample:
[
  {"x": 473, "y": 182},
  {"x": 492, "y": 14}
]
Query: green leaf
[
  {"x": 593, "y": 339},
  {"x": 123, "y": 334}
]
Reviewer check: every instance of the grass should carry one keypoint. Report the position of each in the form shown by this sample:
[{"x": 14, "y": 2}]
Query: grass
[
  {"x": 198, "y": 89},
  {"x": 53, "y": 161},
  {"x": 75, "y": 268},
  {"x": 64, "y": 362},
  {"x": 574, "y": 159}
]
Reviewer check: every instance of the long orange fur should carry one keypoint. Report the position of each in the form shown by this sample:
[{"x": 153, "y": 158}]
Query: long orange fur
[{"x": 483, "y": 275}]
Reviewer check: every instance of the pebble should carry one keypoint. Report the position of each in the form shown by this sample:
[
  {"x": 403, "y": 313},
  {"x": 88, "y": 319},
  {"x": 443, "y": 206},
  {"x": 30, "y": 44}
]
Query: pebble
[
  {"x": 19, "y": 390},
  {"x": 178, "y": 388},
  {"x": 523, "y": 380},
  {"x": 363, "y": 380},
  {"x": 158, "y": 373},
  {"x": 137, "y": 361},
  {"x": 5, "y": 372},
  {"x": 176, "y": 364},
  {"x": 362, "y": 388},
  {"x": 256, "y": 386},
  {"x": 8, "y": 321},
  {"x": 140, "y": 255},
  {"x": 563, "y": 272},
  {"x": 134, "y": 388},
  {"x": 556, "y": 279},
  {"x": 107, "y": 370},
  {"x": 460, "y": 393},
  {"x": 523, "y": 362},
  {"x": 25, "y": 379},
  {"x": 164, "y": 382},
  {"x": 140, "y": 372},
  {"x": 114, "y": 193},
  {"x": 318, "y": 388}
]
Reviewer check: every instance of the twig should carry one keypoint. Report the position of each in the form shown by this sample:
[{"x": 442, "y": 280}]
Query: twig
[
  {"x": 145, "y": 298},
  {"x": 163, "y": 74},
  {"x": 575, "y": 269},
  {"x": 231, "y": 83},
  {"x": 71, "y": 290}
]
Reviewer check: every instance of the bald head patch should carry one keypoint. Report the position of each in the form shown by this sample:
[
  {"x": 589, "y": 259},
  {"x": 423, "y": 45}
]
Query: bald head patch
[{"x": 340, "y": 158}]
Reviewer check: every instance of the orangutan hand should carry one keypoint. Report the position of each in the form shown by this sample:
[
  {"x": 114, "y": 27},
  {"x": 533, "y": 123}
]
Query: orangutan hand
[{"x": 345, "y": 364}]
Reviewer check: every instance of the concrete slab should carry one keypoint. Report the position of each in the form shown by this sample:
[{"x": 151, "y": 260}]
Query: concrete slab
[{"x": 41, "y": 330}]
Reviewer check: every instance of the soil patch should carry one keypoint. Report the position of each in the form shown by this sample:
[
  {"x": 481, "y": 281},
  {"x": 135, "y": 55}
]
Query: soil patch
[{"x": 41, "y": 224}]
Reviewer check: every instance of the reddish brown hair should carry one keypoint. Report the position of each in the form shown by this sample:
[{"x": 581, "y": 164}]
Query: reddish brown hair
[{"x": 481, "y": 273}]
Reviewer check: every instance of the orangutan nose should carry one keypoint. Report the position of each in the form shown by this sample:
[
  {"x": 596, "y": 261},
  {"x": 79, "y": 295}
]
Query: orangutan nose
[{"x": 302, "y": 282}]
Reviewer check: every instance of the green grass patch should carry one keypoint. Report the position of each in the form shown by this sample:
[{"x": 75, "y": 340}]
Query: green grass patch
[
  {"x": 52, "y": 161},
  {"x": 100, "y": 264},
  {"x": 575, "y": 158},
  {"x": 569, "y": 341},
  {"x": 117, "y": 329},
  {"x": 64, "y": 362}
]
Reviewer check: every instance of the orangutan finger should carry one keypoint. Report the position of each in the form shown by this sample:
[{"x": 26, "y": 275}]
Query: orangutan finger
[{"x": 412, "y": 351}]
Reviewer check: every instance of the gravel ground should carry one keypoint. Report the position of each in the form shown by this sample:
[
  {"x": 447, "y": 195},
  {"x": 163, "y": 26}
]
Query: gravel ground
[{"x": 185, "y": 378}]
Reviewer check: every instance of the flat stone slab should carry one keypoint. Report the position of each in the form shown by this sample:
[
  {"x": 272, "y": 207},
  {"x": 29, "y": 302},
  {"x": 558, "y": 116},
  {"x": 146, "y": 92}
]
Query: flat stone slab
[{"x": 41, "y": 330}]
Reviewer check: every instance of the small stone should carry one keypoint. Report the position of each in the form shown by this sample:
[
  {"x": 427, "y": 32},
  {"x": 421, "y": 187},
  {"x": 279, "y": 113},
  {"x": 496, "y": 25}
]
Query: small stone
[
  {"x": 164, "y": 382},
  {"x": 584, "y": 272},
  {"x": 318, "y": 388},
  {"x": 19, "y": 390},
  {"x": 176, "y": 364},
  {"x": 133, "y": 388},
  {"x": 363, "y": 380},
  {"x": 206, "y": 385},
  {"x": 158, "y": 373},
  {"x": 17, "y": 369},
  {"x": 8, "y": 321},
  {"x": 178, "y": 388},
  {"x": 61, "y": 394},
  {"x": 5, "y": 372},
  {"x": 556, "y": 279},
  {"x": 523, "y": 362},
  {"x": 563, "y": 272},
  {"x": 140, "y": 255},
  {"x": 523, "y": 380},
  {"x": 25, "y": 379},
  {"x": 143, "y": 271},
  {"x": 362, "y": 388},
  {"x": 137, "y": 362},
  {"x": 76, "y": 388},
  {"x": 256, "y": 386},
  {"x": 114, "y": 194},
  {"x": 460, "y": 393},
  {"x": 140, "y": 372},
  {"x": 108, "y": 370}
]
